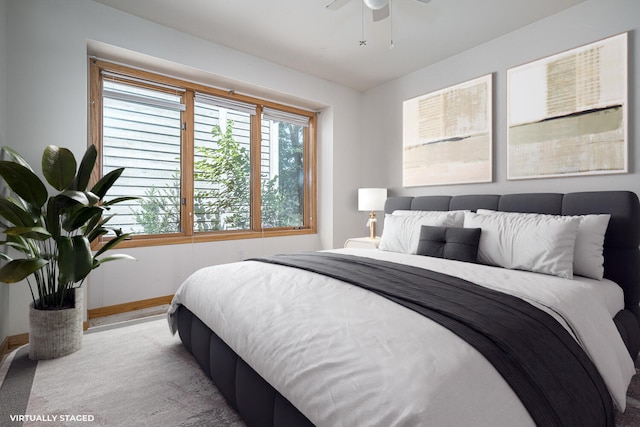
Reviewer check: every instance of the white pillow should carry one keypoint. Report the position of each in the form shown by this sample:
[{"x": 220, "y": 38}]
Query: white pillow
[
  {"x": 457, "y": 217},
  {"x": 588, "y": 258},
  {"x": 538, "y": 243},
  {"x": 401, "y": 233}
]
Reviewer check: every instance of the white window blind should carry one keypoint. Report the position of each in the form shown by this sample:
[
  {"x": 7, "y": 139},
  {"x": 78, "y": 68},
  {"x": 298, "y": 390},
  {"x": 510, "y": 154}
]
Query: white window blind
[
  {"x": 141, "y": 99},
  {"x": 282, "y": 116},
  {"x": 229, "y": 104},
  {"x": 116, "y": 87}
]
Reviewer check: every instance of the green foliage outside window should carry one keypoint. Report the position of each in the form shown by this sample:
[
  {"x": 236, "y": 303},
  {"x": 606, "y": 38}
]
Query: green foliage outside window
[
  {"x": 160, "y": 209},
  {"x": 226, "y": 166},
  {"x": 283, "y": 195}
]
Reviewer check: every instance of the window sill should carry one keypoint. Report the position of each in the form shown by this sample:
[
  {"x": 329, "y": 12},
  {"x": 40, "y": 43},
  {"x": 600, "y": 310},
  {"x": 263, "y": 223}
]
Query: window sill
[{"x": 147, "y": 241}]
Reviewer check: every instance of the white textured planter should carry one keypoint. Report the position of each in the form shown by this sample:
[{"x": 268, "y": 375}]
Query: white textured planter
[{"x": 55, "y": 333}]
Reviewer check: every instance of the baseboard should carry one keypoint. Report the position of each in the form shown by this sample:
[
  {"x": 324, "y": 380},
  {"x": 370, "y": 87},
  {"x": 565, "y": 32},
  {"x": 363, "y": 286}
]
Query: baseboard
[
  {"x": 15, "y": 341},
  {"x": 129, "y": 306},
  {"x": 4, "y": 348}
]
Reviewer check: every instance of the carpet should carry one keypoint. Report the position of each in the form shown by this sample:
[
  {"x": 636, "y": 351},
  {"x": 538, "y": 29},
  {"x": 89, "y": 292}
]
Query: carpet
[
  {"x": 134, "y": 375},
  {"x": 137, "y": 375}
]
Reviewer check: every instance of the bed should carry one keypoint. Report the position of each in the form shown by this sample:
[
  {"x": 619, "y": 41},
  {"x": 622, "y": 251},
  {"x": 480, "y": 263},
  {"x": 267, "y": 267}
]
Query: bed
[{"x": 367, "y": 359}]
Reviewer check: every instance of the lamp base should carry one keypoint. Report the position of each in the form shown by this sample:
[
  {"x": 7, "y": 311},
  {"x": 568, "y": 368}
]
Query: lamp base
[{"x": 372, "y": 225}]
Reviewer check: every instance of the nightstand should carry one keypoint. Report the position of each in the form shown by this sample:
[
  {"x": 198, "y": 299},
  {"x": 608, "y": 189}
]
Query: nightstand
[{"x": 362, "y": 242}]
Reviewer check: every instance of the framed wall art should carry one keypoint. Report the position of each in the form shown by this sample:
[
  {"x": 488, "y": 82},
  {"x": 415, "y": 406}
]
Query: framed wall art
[
  {"x": 567, "y": 113},
  {"x": 447, "y": 135}
]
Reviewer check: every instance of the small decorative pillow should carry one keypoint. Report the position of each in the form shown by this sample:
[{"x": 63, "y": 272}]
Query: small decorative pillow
[
  {"x": 460, "y": 244},
  {"x": 588, "y": 257},
  {"x": 538, "y": 243},
  {"x": 401, "y": 233}
]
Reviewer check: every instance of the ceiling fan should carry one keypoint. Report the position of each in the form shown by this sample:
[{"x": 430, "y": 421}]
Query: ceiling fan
[{"x": 380, "y": 8}]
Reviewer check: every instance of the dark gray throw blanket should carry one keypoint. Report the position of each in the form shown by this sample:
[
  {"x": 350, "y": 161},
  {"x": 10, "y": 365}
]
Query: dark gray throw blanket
[{"x": 553, "y": 377}]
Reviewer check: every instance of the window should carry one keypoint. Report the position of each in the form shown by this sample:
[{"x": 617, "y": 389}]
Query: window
[
  {"x": 222, "y": 167},
  {"x": 206, "y": 164},
  {"x": 282, "y": 169}
]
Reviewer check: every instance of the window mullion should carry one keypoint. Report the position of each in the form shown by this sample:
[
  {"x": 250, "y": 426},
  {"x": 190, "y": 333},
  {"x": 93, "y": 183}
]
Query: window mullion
[
  {"x": 187, "y": 172},
  {"x": 256, "y": 180},
  {"x": 95, "y": 119},
  {"x": 310, "y": 184}
]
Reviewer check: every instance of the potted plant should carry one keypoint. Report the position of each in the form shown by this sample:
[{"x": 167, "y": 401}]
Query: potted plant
[{"x": 52, "y": 235}]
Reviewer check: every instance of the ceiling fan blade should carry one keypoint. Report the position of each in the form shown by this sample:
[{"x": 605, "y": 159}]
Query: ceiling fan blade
[
  {"x": 337, "y": 4},
  {"x": 380, "y": 14},
  {"x": 424, "y": 1}
]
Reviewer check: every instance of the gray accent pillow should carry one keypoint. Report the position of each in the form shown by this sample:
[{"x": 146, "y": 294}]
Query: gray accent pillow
[{"x": 460, "y": 244}]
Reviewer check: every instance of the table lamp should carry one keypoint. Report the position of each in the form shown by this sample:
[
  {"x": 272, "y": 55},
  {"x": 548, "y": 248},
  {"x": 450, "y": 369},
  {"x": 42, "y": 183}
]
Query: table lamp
[{"x": 371, "y": 200}]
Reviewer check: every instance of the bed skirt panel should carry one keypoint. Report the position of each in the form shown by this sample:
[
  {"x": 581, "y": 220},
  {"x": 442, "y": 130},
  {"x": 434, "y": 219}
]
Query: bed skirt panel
[
  {"x": 257, "y": 402},
  {"x": 627, "y": 324}
]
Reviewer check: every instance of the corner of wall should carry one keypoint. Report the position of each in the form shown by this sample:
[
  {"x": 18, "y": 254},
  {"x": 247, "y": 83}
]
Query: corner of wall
[
  {"x": 325, "y": 178},
  {"x": 4, "y": 288}
]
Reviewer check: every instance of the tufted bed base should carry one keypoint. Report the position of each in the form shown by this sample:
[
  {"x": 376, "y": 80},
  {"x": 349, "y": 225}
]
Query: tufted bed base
[{"x": 257, "y": 402}]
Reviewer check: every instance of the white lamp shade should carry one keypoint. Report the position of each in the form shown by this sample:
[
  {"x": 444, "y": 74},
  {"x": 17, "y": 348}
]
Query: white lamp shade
[
  {"x": 375, "y": 4},
  {"x": 371, "y": 199}
]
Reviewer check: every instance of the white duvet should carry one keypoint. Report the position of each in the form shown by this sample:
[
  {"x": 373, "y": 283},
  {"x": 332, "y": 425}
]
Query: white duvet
[{"x": 347, "y": 357}]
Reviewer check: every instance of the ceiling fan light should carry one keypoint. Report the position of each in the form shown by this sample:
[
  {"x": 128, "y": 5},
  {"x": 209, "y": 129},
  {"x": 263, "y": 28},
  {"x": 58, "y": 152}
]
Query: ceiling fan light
[{"x": 375, "y": 4}]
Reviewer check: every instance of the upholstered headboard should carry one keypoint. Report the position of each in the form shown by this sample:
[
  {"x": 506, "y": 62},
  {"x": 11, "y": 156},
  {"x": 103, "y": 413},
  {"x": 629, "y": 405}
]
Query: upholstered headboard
[{"x": 621, "y": 253}]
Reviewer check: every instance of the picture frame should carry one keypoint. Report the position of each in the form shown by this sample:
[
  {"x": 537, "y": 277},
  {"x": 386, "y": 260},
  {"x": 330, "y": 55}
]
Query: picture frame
[
  {"x": 567, "y": 113},
  {"x": 448, "y": 135}
]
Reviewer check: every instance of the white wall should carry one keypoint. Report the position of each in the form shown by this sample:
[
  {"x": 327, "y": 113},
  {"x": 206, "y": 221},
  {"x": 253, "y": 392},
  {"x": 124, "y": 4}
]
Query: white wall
[
  {"x": 47, "y": 91},
  {"x": 582, "y": 24},
  {"x": 4, "y": 288}
]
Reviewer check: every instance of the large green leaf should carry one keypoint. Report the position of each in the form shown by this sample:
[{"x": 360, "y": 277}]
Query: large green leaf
[
  {"x": 86, "y": 167},
  {"x": 79, "y": 217},
  {"x": 14, "y": 213},
  {"x": 20, "y": 269},
  {"x": 24, "y": 183},
  {"x": 84, "y": 258},
  {"x": 74, "y": 258},
  {"x": 98, "y": 262},
  {"x": 96, "y": 229},
  {"x": 91, "y": 225},
  {"x": 105, "y": 183},
  {"x": 16, "y": 245},
  {"x": 36, "y": 233},
  {"x": 93, "y": 198},
  {"x": 58, "y": 167},
  {"x": 17, "y": 158},
  {"x": 69, "y": 198},
  {"x": 95, "y": 234},
  {"x": 112, "y": 243},
  {"x": 120, "y": 200},
  {"x": 66, "y": 260},
  {"x": 53, "y": 218}
]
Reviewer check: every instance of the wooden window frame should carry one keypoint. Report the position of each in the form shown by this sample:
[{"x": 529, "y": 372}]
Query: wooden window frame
[{"x": 187, "y": 235}]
